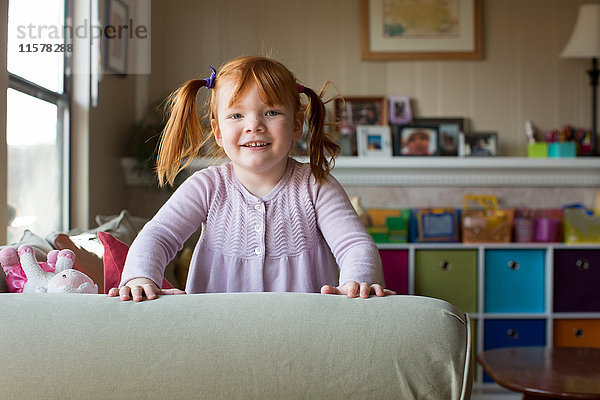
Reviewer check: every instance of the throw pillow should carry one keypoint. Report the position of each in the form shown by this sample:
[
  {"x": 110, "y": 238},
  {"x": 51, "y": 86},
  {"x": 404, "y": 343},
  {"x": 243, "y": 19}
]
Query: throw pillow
[
  {"x": 39, "y": 245},
  {"x": 137, "y": 222},
  {"x": 123, "y": 227},
  {"x": 115, "y": 253}
]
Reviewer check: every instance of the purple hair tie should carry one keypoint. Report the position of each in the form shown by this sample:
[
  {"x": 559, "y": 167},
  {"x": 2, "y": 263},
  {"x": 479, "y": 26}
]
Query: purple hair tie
[
  {"x": 210, "y": 82},
  {"x": 300, "y": 88}
]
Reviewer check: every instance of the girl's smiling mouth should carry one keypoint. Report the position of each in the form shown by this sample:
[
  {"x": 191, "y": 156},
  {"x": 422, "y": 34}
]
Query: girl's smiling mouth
[{"x": 256, "y": 144}]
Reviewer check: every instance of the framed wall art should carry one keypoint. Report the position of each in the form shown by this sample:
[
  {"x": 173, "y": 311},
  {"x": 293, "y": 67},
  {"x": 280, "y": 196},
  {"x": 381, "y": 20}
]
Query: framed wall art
[
  {"x": 421, "y": 30},
  {"x": 354, "y": 111}
]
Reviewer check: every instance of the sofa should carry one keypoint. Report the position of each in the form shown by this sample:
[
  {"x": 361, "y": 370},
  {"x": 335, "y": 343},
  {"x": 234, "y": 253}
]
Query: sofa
[{"x": 233, "y": 346}]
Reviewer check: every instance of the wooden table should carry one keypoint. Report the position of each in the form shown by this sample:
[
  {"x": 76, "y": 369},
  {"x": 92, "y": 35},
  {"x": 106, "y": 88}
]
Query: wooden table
[{"x": 545, "y": 372}]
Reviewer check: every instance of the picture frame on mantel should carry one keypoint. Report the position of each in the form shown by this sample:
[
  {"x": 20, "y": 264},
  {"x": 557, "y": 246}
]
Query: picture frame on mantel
[
  {"x": 395, "y": 30},
  {"x": 354, "y": 111}
]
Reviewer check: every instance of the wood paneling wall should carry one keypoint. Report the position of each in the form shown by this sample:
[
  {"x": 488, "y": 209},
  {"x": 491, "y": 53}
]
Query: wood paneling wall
[{"x": 520, "y": 77}]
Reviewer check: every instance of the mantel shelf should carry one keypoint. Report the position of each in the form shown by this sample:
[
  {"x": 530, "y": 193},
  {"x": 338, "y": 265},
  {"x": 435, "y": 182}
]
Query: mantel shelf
[
  {"x": 459, "y": 171},
  {"x": 468, "y": 171}
]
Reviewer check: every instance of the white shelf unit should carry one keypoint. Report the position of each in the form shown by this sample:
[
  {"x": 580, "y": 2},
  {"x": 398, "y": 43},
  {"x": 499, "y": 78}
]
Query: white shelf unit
[{"x": 549, "y": 316}]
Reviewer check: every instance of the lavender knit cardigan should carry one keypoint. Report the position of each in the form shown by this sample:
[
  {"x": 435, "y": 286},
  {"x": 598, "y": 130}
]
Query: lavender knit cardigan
[{"x": 293, "y": 239}]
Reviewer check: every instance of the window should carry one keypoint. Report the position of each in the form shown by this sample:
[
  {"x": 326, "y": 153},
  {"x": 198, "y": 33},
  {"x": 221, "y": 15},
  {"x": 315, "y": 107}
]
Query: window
[{"x": 37, "y": 123}]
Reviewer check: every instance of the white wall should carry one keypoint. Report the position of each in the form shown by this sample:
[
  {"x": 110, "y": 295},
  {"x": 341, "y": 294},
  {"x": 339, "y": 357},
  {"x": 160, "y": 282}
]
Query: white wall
[{"x": 521, "y": 76}]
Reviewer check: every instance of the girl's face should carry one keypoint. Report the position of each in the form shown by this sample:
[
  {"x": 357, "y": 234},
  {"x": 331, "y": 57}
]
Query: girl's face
[{"x": 257, "y": 138}]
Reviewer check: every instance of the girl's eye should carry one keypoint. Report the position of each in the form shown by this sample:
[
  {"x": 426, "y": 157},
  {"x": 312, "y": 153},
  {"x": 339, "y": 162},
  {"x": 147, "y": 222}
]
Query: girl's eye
[
  {"x": 235, "y": 116},
  {"x": 272, "y": 113}
]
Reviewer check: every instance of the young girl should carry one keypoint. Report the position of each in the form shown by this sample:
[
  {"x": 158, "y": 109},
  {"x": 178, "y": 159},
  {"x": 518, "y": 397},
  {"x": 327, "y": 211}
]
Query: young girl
[{"x": 269, "y": 222}]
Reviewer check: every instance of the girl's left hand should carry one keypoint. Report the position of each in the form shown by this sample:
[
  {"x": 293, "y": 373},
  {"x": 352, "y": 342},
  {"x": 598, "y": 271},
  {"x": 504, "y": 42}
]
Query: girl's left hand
[{"x": 354, "y": 289}]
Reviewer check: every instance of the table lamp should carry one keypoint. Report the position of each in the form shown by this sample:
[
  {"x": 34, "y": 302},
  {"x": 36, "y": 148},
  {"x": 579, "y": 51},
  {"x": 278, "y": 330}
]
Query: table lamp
[{"x": 585, "y": 43}]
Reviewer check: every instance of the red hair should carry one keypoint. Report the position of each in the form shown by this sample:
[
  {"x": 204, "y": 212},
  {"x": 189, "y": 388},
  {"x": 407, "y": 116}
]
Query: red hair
[{"x": 184, "y": 138}]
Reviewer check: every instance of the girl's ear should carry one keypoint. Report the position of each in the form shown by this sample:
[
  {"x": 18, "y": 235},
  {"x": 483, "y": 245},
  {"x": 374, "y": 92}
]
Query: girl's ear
[
  {"x": 298, "y": 125},
  {"x": 217, "y": 132}
]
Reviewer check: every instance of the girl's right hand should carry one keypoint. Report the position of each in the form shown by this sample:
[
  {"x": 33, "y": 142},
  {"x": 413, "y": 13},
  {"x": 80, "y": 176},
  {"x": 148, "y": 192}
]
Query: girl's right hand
[{"x": 138, "y": 287}]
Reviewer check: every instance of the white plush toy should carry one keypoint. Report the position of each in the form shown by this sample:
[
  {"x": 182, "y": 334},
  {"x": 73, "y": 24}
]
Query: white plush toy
[{"x": 64, "y": 279}]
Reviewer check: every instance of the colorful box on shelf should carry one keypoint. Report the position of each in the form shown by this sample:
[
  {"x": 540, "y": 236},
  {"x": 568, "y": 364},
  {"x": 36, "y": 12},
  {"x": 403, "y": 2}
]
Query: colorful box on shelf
[
  {"x": 434, "y": 225},
  {"x": 548, "y": 225},
  {"x": 389, "y": 226},
  {"x": 562, "y": 149},
  {"x": 541, "y": 225},
  {"x": 537, "y": 150},
  {"x": 581, "y": 226},
  {"x": 554, "y": 149},
  {"x": 380, "y": 234},
  {"x": 484, "y": 222}
]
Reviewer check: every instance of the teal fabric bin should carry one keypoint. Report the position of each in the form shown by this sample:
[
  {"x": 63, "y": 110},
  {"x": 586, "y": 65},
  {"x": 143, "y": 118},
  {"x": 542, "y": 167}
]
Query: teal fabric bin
[{"x": 514, "y": 281}]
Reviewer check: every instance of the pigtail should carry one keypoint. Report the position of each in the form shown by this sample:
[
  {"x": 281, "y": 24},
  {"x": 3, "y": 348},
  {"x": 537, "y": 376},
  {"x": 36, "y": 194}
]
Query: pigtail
[
  {"x": 182, "y": 137},
  {"x": 321, "y": 145}
]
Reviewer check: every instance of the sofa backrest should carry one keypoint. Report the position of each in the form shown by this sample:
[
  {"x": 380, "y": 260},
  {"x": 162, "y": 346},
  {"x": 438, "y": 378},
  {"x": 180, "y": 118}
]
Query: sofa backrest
[{"x": 237, "y": 345}]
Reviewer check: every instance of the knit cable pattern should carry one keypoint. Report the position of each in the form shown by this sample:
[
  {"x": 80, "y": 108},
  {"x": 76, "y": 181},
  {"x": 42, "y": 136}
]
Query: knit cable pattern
[{"x": 290, "y": 216}]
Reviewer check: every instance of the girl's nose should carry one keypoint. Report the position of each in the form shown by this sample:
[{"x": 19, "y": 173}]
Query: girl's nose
[{"x": 254, "y": 124}]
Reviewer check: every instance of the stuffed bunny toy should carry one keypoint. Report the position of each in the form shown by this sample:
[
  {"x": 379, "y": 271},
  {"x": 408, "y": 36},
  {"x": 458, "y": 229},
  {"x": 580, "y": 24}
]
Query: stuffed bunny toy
[{"x": 54, "y": 276}]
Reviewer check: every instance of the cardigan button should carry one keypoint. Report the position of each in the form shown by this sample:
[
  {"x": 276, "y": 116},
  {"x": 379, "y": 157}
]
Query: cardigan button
[{"x": 258, "y": 251}]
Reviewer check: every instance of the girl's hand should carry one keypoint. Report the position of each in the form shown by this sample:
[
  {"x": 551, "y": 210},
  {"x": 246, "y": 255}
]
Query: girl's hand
[
  {"x": 354, "y": 289},
  {"x": 138, "y": 287}
]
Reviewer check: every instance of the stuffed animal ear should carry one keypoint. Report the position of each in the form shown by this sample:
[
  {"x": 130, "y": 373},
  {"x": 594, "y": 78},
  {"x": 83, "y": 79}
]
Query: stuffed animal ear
[{"x": 64, "y": 260}]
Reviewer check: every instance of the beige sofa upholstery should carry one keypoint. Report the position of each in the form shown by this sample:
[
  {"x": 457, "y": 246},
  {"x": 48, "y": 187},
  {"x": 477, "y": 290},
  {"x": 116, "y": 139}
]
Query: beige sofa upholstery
[{"x": 233, "y": 346}]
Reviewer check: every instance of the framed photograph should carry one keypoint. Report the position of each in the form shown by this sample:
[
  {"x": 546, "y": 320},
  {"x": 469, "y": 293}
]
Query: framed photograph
[
  {"x": 416, "y": 141},
  {"x": 477, "y": 144},
  {"x": 421, "y": 30},
  {"x": 448, "y": 132},
  {"x": 354, "y": 111},
  {"x": 117, "y": 14},
  {"x": 400, "y": 111},
  {"x": 374, "y": 140}
]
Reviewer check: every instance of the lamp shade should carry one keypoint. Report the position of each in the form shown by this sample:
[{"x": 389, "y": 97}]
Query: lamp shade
[{"x": 585, "y": 39}]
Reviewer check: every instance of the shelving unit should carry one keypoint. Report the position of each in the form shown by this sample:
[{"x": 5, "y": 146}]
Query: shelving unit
[{"x": 516, "y": 294}]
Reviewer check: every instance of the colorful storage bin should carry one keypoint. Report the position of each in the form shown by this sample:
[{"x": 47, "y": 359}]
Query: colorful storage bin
[
  {"x": 395, "y": 270},
  {"x": 577, "y": 333},
  {"x": 438, "y": 273},
  {"x": 514, "y": 281},
  {"x": 576, "y": 280},
  {"x": 513, "y": 333}
]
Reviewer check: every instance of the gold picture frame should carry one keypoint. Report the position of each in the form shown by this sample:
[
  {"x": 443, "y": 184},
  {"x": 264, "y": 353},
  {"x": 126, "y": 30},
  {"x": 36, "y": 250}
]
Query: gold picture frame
[{"x": 386, "y": 38}]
